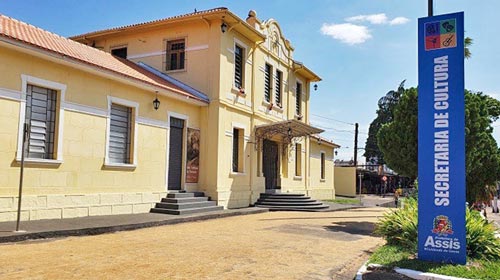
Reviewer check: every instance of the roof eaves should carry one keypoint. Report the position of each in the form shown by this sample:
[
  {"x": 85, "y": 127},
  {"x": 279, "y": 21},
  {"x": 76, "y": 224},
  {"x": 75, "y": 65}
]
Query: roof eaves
[
  {"x": 152, "y": 22},
  {"x": 176, "y": 82}
]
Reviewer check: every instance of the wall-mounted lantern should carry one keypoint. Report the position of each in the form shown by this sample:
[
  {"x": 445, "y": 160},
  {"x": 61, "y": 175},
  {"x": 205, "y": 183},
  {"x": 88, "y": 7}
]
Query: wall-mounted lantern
[
  {"x": 223, "y": 27},
  {"x": 156, "y": 102}
]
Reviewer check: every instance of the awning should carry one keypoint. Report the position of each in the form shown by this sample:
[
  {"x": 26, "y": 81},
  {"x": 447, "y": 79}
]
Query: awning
[{"x": 287, "y": 129}]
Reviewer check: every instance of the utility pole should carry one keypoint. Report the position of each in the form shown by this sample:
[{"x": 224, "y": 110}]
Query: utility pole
[
  {"x": 356, "y": 125},
  {"x": 430, "y": 8},
  {"x": 21, "y": 177}
]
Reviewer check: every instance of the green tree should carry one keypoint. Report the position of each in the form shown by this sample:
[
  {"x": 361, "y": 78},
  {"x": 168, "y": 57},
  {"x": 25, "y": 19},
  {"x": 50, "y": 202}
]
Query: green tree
[
  {"x": 468, "y": 42},
  {"x": 482, "y": 156},
  {"x": 397, "y": 140},
  {"x": 385, "y": 114}
]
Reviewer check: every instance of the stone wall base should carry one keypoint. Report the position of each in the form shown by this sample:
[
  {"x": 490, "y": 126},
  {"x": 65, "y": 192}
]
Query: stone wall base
[{"x": 54, "y": 206}]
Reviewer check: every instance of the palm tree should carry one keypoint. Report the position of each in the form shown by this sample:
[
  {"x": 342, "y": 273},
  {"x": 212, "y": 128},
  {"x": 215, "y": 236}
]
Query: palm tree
[{"x": 468, "y": 43}]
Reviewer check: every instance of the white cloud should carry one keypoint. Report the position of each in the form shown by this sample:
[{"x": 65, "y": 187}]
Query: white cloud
[
  {"x": 378, "y": 19},
  {"x": 399, "y": 20},
  {"x": 348, "y": 33},
  {"x": 373, "y": 19}
]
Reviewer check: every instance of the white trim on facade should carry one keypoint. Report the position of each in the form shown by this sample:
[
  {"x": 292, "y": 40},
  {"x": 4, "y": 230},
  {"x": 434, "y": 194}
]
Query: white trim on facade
[
  {"x": 152, "y": 122},
  {"x": 130, "y": 104},
  {"x": 158, "y": 53},
  {"x": 84, "y": 109},
  {"x": 61, "y": 90},
  {"x": 9, "y": 94}
]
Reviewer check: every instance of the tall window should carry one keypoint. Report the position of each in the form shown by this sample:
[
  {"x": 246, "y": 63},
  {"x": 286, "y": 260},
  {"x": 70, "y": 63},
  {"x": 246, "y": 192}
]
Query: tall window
[
  {"x": 120, "y": 134},
  {"x": 298, "y": 99},
  {"x": 41, "y": 117},
  {"x": 298, "y": 159},
  {"x": 237, "y": 150},
  {"x": 278, "y": 81},
  {"x": 322, "y": 165},
  {"x": 176, "y": 54},
  {"x": 239, "y": 54},
  {"x": 267, "y": 83}
]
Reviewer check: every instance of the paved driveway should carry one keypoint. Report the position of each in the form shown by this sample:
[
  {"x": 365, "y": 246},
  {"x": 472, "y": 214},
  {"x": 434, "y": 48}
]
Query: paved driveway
[{"x": 274, "y": 245}]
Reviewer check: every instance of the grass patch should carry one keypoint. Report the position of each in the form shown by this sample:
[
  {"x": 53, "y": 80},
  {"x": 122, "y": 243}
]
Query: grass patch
[
  {"x": 397, "y": 256},
  {"x": 344, "y": 201}
]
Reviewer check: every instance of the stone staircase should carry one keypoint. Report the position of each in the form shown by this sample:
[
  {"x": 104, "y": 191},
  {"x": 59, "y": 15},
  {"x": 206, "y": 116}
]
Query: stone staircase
[
  {"x": 181, "y": 203},
  {"x": 289, "y": 202}
]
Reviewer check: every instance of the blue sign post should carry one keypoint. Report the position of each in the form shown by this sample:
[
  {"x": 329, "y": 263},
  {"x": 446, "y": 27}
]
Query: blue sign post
[{"x": 441, "y": 139}]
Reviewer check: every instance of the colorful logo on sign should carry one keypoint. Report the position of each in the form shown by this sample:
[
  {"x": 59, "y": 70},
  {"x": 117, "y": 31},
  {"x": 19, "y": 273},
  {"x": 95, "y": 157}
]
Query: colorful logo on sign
[
  {"x": 440, "y": 34},
  {"x": 442, "y": 226}
]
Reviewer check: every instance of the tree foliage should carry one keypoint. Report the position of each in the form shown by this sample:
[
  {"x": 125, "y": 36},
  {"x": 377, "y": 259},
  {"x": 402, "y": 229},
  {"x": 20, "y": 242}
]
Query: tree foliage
[
  {"x": 482, "y": 156},
  {"x": 468, "y": 42},
  {"x": 398, "y": 141},
  {"x": 385, "y": 114}
]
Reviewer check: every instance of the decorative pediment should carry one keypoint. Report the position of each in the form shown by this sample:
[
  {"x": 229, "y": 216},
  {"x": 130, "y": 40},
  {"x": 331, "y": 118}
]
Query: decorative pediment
[{"x": 276, "y": 43}]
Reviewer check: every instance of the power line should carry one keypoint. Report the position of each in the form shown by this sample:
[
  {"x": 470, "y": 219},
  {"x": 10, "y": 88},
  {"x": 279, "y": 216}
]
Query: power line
[
  {"x": 334, "y": 129},
  {"x": 331, "y": 119}
]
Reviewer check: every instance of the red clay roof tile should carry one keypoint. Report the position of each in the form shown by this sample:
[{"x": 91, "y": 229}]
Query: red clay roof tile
[{"x": 45, "y": 40}]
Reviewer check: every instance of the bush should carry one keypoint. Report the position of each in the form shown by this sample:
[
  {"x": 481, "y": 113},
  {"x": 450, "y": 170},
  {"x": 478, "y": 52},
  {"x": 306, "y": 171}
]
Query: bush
[
  {"x": 481, "y": 240},
  {"x": 399, "y": 228}
]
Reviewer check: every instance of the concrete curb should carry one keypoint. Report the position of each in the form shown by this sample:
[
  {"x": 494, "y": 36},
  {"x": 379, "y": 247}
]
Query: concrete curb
[
  {"x": 123, "y": 227},
  {"x": 362, "y": 270},
  {"x": 414, "y": 274},
  {"x": 425, "y": 275}
]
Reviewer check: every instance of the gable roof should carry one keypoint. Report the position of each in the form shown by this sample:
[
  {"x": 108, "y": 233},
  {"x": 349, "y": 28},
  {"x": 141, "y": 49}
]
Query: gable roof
[
  {"x": 42, "y": 40},
  {"x": 221, "y": 13}
]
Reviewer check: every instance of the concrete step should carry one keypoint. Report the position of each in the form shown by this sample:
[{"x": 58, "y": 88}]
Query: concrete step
[
  {"x": 187, "y": 205},
  {"x": 185, "y": 194},
  {"x": 275, "y": 196},
  {"x": 294, "y": 208},
  {"x": 186, "y": 211},
  {"x": 282, "y": 194},
  {"x": 273, "y": 203},
  {"x": 184, "y": 199},
  {"x": 291, "y": 200}
]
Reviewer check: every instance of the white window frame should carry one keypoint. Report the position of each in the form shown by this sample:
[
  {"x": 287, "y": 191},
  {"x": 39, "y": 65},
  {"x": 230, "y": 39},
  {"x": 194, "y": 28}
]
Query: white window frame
[
  {"x": 165, "y": 43},
  {"x": 271, "y": 84},
  {"x": 243, "y": 63},
  {"x": 135, "y": 107},
  {"x": 243, "y": 129},
  {"x": 301, "y": 97},
  {"x": 61, "y": 92},
  {"x": 322, "y": 178},
  {"x": 298, "y": 161}
]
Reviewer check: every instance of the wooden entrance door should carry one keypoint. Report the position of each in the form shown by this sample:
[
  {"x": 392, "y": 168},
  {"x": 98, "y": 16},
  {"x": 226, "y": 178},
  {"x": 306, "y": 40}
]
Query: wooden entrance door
[
  {"x": 175, "y": 153},
  {"x": 270, "y": 164}
]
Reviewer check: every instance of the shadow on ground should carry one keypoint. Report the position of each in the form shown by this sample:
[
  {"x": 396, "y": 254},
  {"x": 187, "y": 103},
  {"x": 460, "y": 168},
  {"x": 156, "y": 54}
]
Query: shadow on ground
[
  {"x": 318, "y": 218},
  {"x": 359, "y": 228}
]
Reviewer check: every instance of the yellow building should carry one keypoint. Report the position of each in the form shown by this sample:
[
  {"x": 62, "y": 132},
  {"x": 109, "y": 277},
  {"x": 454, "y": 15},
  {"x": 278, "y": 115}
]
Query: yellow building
[{"x": 231, "y": 117}]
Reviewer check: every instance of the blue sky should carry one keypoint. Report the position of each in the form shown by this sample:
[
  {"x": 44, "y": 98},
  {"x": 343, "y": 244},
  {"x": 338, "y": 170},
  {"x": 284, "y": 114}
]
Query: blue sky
[{"x": 361, "y": 48}]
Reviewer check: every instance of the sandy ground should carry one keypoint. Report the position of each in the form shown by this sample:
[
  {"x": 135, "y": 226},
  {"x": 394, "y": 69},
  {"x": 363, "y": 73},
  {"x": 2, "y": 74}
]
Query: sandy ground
[{"x": 274, "y": 245}]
